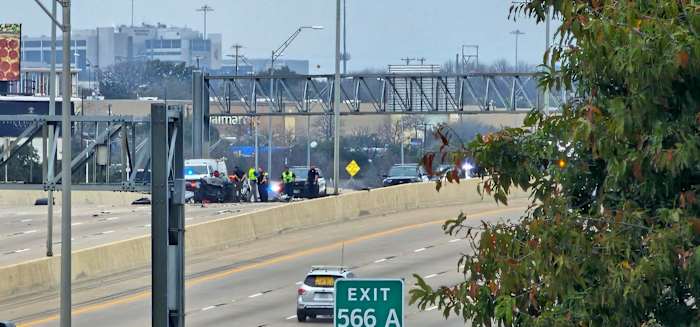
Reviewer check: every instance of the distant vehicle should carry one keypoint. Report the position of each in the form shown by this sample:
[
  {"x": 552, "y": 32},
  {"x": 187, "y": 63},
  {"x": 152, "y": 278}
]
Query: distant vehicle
[
  {"x": 404, "y": 174},
  {"x": 142, "y": 176},
  {"x": 315, "y": 296},
  {"x": 196, "y": 169},
  {"x": 300, "y": 189},
  {"x": 6, "y": 324},
  {"x": 466, "y": 171}
]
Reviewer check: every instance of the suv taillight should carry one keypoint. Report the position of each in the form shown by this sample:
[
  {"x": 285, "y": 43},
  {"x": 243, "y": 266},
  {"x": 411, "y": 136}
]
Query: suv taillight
[{"x": 301, "y": 291}]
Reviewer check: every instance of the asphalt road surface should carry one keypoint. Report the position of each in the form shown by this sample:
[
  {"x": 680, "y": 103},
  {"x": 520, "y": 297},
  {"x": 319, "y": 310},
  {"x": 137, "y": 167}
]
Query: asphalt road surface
[
  {"x": 255, "y": 284},
  {"x": 23, "y": 229}
]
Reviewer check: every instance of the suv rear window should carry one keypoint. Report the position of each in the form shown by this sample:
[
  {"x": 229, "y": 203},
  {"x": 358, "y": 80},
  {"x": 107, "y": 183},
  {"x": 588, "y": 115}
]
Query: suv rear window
[{"x": 321, "y": 280}]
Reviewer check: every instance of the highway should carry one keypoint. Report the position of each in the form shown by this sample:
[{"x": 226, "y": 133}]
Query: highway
[
  {"x": 255, "y": 284},
  {"x": 23, "y": 230}
]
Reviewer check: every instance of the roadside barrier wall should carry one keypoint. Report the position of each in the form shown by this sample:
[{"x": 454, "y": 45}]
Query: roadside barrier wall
[{"x": 92, "y": 263}]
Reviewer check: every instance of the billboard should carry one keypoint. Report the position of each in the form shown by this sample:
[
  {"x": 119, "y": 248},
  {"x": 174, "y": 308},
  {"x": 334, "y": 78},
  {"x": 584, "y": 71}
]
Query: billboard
[{"x": 10, "y": 51}]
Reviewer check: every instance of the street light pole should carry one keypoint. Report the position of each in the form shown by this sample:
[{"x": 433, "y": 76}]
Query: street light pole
[
  {"x": 204, "y": 10},
  {"x": 66, "y": 246},
  {"x": 276, "y": 54},
  {"x": 547, "y": 44},
  {"x": 345, "y": 37},
  {"x": 52, "y": 140},
  {"x": 336, "y": 104},
  {"x": 517, "y": 34}
]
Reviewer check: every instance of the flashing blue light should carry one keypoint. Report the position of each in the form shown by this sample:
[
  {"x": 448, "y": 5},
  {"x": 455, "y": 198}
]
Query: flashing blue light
[{"x": 190, "y": 172}]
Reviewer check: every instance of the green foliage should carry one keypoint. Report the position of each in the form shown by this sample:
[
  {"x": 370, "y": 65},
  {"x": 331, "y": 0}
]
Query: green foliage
[
  {"x": 611, "y": 237},
  {"x": 155, "y": 78}
]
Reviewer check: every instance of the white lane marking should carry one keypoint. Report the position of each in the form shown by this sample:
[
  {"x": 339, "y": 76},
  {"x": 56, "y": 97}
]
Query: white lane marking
[
  {"x": 380, "y": 260},
  {"x": 455, "y": 240},
  {"x": 16, "y": 251},
  {"x": 430, "y": 276},
  {"x": 29, "y": 231},
  {"x": 299, "y": 283},
  {"x": 290, "y": 317},
  {"x": 112, "y": 218},
  {"x": 76, "y": 224},
  {"x": 107, "y": 232},
  {"x": 419, "y": 250},
  {"x": 25, "y": 220},
  {"x": 188, "y": 219},
  {"x": 431, "y": 308},
  {"x": 255, "y": 295},
  {"x": 208, "y": 308}
]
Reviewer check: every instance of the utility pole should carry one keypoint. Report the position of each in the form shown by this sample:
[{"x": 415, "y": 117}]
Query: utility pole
[
  {"x": 408, "y": 60},
  {"x": 237, "y": 47},
  {"x": 421, "y": 60},
  {"x": 204, "y": 10},
  {"x": 517, "y": 34},
  {"x": 336, "y": 104},
  {"x": 132, "y": 13}
]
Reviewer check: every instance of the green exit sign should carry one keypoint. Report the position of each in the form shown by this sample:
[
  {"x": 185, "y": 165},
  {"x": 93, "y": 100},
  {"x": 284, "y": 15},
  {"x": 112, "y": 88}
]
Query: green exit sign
[{"x": 368, "y": 303}]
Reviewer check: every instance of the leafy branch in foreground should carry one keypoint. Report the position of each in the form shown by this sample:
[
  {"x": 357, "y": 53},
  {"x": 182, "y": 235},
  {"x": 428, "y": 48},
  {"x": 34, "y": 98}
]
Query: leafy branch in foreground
[{"x": 612, "y": 235}]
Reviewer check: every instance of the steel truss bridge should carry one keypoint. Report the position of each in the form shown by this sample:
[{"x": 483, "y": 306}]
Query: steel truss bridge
[
  {"x": 367, "y": 94},
  {"x": 105, "y": 133}
]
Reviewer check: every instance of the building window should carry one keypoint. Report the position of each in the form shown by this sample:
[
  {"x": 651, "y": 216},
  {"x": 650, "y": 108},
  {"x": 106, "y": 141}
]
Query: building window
[{"x": 200, "y": 45}]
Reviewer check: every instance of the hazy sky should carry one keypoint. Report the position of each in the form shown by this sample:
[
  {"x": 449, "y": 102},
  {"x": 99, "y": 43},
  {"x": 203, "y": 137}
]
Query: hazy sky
[{"x": 380, "y": 32}]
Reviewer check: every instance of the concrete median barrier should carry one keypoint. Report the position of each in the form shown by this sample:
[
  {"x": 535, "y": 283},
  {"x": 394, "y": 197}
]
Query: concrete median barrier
[{"x": 89, "y": 264}]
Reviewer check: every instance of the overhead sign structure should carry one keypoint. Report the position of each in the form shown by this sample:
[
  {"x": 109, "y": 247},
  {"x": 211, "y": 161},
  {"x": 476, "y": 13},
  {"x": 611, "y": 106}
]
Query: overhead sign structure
[
  {"x": 10, "y": 51},
  {"x": 352, "y": 168},
  {"x": 369, "y": 303}
]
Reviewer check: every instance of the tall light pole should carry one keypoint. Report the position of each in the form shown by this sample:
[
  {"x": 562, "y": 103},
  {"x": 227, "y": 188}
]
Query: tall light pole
[
  {"x": 132, "y": 13},
  {"x": 547, "y": 44},
  {"x": 204, "y": 10},
  {"x": 336, "y": 104},
  {"x": 345, "y": 38},
  {"x": 517, "y": 34},
  {"x": 66, "y": 246},
  {"x": 275, "y": 55}
]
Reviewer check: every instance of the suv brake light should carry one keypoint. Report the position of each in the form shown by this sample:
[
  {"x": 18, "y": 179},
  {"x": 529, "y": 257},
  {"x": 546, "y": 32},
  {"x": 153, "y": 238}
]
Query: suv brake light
[{"x": 301, "y": 291}]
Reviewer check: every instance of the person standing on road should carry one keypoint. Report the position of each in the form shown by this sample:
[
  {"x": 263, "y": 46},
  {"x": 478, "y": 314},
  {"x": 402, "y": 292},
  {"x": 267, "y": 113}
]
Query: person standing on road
[
  {"x": 253, "y": 184},
  {"x": 312, "y": 183},
  {"x": 288, "y": 178},
  {"x": 237, "y": 180},
  {"x": 263, "y": 182}
]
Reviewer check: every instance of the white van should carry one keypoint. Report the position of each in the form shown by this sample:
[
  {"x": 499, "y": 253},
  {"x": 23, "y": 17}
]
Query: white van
[{"x": 196, "y": 169}]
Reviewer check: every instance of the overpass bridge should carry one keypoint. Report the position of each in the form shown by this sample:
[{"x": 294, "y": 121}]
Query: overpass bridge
[{"x": 368, "y": 94}]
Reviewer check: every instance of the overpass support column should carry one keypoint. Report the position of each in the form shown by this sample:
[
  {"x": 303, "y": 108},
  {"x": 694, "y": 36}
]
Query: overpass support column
[{"x": 167, "y": 218}]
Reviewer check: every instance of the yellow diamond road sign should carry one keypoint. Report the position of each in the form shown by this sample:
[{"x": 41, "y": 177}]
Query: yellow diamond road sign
[{"x": 352, "y": 168}]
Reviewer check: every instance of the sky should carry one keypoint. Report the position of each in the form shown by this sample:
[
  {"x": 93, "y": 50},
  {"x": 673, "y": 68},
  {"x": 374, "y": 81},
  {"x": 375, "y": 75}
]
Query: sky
[{"x": 379, "y": 32}]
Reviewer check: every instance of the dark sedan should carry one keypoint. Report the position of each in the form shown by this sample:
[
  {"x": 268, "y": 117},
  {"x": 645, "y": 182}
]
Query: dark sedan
[{"x": 403, "y": 174}]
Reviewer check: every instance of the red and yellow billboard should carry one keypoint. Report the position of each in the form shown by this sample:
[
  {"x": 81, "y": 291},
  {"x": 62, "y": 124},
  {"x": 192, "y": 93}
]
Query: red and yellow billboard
[{"x": 10, "y": 50}]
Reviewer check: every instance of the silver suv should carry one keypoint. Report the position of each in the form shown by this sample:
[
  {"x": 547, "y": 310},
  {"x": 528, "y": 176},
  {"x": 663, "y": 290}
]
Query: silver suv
[{"x": 316, "y": 294}]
